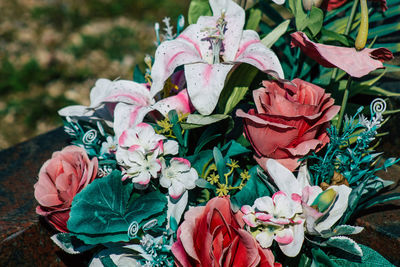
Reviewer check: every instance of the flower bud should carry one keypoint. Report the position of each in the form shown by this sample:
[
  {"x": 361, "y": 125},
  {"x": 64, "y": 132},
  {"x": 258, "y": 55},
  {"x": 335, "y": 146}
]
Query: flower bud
[
  {"x": 324, "y": 200},
  {"x": 308, "y": 4}
]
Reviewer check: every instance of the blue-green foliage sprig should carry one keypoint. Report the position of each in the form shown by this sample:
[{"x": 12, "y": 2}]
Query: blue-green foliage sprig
[
  {"x": 92, "y": 139},
  {"x": 350, "y": 154}
]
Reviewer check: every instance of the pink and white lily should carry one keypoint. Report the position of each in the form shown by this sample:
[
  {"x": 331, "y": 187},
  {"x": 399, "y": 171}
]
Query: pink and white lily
[
  {"x": 208, "y": 50},
  {"x": 178, "y": 177},
  {"x": 278, "y": 218},
  {"x": 316, "y": 220},
  {"x": 123, "y": 104}
]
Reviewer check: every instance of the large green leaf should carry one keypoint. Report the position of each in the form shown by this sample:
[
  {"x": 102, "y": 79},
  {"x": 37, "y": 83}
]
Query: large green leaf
[
  {"x": 100, "y": 213},
  {"x": 370, "y": 258},
  {"x": 314, "y": 20},
  {"x": 198, "y": 8}
]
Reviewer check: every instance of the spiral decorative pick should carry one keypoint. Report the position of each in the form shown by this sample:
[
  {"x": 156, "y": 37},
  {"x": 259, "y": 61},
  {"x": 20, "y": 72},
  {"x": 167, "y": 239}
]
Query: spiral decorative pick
[
  {"x": 133, "y": 229},
  {"x": 90, "y": 137},
  {"x": 378, "y": 105}
]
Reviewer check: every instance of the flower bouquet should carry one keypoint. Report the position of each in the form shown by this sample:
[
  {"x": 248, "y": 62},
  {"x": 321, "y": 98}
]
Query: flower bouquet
[{"x": 220, "y": 153}]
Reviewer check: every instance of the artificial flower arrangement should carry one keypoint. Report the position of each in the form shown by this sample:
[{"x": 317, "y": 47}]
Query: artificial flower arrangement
[{"x": 214, "y": 157}]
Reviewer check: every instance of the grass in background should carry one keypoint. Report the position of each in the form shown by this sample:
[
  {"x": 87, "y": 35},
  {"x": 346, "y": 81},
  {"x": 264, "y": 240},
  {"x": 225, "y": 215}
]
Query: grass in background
[{"x": 52, "y": 52}]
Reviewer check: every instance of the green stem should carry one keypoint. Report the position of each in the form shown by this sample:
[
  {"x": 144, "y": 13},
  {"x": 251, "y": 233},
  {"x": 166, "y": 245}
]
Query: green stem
[
  {"x": 351, "y": 18},
  {"x": 296, "y": 67},
  {"x": 344, "y": 103},
  {"x": 347, "y": 31}
]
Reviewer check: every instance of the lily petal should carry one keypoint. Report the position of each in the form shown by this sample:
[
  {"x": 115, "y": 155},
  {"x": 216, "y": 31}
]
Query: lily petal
[
  {"x": 126, "y": 116},
  {"x": 179, "y": 102},
  {"x": 205, "y": 83},
  {"x": 339, "y": 207},
  {"x": 293, "y": 248},
  {"x": 253, "y": 52},
  {"x": 171, "y": 54},
  {"x": 265, "y": 238},
  {"x": 283, "y": 178}
]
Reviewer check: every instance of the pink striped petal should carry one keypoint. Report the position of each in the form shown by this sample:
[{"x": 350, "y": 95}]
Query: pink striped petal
[
  {"x": 293, "y": 248},
  {"x": 205, "y": 83},
  {"x": 179, "y": 102},
  {"x": 171, "y": 54},
  {"x": 127, "y": 116},
  {"x": 252, "y": 51}
]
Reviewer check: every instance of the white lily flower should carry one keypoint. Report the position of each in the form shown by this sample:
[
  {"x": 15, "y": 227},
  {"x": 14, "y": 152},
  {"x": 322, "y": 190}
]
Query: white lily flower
[
  {"x": 138, "y": 166},
  {"x": 123, "y": 104},
  {"x": 316, "y": 221},
  {"x": 278, "y": 218},
  {"x": 178, "y": 177},
  {"x": 142, "y": 137},
  {"x": 208, "y": 50}
]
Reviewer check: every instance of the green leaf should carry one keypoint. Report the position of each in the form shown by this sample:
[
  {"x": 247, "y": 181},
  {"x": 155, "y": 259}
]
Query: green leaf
[
  {"x": 321, "y": 258},
  {"x": 236, "y": 96},
  {"x": 270, "y": 39},
  {"x": 300, "y": 16},
  {"x": 196, "y": 120},
  {"x": 138, "y": 75},
  {"x": 314, "y": 20},
  {"x": 176, "y": 128},
  {"x": 234, "y": 148},
  {"x": 100, "y": 212},
  {"x": 242, "y": 76},
  {"x": 254, "y": 16},
  {"x": 380, "y": 200},
  {"x": 201, "y": 160},
  {"x": 255, "y": 187},
  {"x": 202, "y": 183},
  {"x": 346, "y": 244},
  {"x": 70, "y": 243},
  {"x": 370, "y": 258},
  {"x": 198, "y": 8},
  {"x": 342, "y": 230},
  {"x": 330, "y": 36},
  {"x": 220, "y": 162}
]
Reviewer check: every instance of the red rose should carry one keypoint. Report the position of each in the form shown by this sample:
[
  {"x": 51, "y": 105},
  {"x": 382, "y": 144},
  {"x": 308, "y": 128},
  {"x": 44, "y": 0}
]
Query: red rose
[
  {"x": 212, "y": 235},
  {"x": 289, "y": 121},
  {"x": 60, "y": 179}
]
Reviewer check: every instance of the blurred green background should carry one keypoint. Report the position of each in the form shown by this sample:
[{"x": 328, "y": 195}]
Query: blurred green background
[{"x": 52, "y": 52}]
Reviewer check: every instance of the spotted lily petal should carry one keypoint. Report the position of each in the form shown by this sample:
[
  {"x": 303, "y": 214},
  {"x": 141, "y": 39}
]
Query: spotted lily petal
[
  {"x": 172, "y": 54},
  {"x": 253, "y": 52},
  {"x": 205, "y": 83}
]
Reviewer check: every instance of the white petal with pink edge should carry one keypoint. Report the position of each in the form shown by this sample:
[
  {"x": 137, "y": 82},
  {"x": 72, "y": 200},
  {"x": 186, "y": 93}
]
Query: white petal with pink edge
[
  {"x": 170, "y": 55},
  {"x": 205, "y": 83},
  {"x": 292, "y": 248},
  {"x": 253, "y": 52}
]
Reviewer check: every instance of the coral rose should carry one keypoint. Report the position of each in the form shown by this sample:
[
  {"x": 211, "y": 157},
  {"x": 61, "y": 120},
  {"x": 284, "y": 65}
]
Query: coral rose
[
  {"x": 289, "y": 121},
  {"x": 60, "y": 179},
  {"x": 212, "y": 235}
]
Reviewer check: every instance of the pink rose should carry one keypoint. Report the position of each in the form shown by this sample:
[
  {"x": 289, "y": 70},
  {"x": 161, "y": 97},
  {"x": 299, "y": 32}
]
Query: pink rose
[
  {"x": 212, "y": 235},
  {"x": 60, "y": 179},
  {"x": 289, "y": 122}
]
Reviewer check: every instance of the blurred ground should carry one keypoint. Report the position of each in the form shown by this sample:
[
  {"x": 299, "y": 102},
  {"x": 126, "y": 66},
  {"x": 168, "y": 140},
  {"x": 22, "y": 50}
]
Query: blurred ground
[{"x": 52, "y": 52}]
